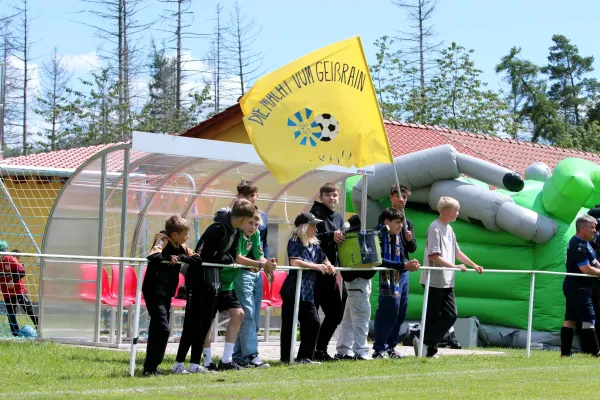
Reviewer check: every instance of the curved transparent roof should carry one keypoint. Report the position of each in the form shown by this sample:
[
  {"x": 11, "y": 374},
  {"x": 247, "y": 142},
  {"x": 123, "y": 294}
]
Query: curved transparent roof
[{"x": 87, "y": 215}]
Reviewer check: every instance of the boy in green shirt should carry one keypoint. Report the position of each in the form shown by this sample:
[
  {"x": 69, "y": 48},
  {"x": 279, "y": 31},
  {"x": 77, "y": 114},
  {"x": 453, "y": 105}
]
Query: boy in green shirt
[{"x": 249, "y": 244}]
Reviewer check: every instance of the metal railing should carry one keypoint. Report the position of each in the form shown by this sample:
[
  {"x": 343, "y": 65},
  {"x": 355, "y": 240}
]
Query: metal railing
[{"x": 142, "y": 261}]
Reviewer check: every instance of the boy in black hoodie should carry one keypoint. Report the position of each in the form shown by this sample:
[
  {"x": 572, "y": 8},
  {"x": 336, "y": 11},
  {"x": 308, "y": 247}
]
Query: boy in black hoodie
[
  {"x": 327, "y": 291},
  {"x": 217, "y": 245},
  {"x": 160, "y": 284}
]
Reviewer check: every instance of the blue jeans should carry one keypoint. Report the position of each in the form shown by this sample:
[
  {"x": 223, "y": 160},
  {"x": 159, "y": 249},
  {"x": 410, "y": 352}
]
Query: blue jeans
[
  {"x": 390, "y": 316},
  {"x": 248, "y": 288}
]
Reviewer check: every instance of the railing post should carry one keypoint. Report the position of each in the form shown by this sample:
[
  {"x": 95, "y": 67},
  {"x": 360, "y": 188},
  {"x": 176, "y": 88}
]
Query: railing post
[
  {"x": 101, "y": 226},
  {"x": 424, "y": 313},
  {"x": 123, "y": 242},
  {"x": 136, "y": 319},
  {"x": 530, "y": 316},
  {"x": 295, "y": 320}
]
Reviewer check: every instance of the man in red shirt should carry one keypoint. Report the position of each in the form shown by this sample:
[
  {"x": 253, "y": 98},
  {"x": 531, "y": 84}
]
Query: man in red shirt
[{"x": 13, "y": 289}]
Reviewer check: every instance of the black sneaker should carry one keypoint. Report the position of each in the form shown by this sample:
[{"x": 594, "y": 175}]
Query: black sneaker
[
  {"x": 323, "y": 356},
  {"x": 432, "y": 352},
  {"x": 307, "y": 361},
  {"x": 344, "y": 357},
  {"x": 361, "y": 358},
  {"x": 151, "y": 373},
  {"x": 453, "y": 343},
  {"x": 378, "y": 355},
  {"x": 223, "y": 366},
  {"x": 211, "y": 367},
  {"x": 393, "y": 354}
]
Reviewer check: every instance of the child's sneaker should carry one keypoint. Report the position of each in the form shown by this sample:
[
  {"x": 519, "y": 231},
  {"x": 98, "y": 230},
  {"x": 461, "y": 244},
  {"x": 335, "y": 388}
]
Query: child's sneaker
[
  {"x": 179, "y": 369},
  {"x": 344, "y": 357},
  {"x": 257, "y": 363},
  {"x": 307, "y": 361},
  {"x": 323, "y": 356},
  {"x": 378, "y": 355},
  {"x": 223, "y": 366},
  {"x": 211, "y": 367},
  {"x": 393, "y": 354}
]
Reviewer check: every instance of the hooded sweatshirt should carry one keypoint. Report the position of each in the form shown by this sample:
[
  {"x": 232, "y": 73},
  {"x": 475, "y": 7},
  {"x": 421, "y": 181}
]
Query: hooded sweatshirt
[
  {"x": 332, "y": 221},
  {"x": 161, "y": 280},
  {"x": 217, "y": 245}
]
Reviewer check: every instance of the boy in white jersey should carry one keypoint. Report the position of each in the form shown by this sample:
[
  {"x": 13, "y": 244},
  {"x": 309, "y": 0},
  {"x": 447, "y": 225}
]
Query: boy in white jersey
[{"x": 441, "y": 250}]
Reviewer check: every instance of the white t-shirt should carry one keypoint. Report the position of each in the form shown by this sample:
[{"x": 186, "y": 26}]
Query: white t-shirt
[{"x": 440, "y": 240}]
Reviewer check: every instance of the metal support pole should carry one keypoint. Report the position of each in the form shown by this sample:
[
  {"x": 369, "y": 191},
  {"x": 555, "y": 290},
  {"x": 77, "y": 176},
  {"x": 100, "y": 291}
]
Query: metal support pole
[
  {"x": 122, "y": 250},
  {"x": 424, "y": 313},
  {"x": 136, "y": 319},
  {"x": 295, "y": 320},
  {"x": 363, "y": 205},
  {"x": 101, "y": 226},
  {"x": 530, "y": 316}
]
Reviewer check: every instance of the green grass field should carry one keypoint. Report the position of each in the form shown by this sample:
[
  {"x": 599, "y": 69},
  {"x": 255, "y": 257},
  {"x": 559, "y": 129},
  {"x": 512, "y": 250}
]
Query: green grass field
[{"x": 51, "y": 371}]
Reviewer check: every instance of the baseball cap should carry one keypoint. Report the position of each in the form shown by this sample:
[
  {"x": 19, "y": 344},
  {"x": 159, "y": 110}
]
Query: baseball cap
[{"x": 306, "y": 218}]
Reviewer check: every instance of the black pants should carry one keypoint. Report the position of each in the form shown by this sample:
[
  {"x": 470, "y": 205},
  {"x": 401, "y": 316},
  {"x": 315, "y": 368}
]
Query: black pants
[
  {"x": 158, "y": 332},
  {"x": 308, "y": 318},
  {"x": 327, "y": 296},
  {"x": 441, "y": 314},
  {"x": 200, "y": 310},
  {"x": 12, "y": 306}
]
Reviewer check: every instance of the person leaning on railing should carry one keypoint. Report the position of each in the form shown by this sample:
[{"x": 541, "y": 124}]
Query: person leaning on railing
[
  {"x": 303, "y": 251},
  {"x": 581, "y": 259}
]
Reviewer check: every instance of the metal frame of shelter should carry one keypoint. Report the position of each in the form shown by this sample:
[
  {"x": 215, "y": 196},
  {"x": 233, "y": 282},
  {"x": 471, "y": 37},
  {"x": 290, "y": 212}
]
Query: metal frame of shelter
[{"x": 118, "y": 199}]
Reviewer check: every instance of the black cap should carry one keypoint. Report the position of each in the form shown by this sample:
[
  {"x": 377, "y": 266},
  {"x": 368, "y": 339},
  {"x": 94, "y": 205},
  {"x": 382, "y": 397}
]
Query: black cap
[{"x": 306, "y": 218}]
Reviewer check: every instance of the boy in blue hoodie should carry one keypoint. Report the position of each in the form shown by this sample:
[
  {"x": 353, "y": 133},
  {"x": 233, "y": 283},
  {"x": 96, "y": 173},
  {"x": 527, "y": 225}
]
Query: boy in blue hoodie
[{"x": 393, "y": 285}]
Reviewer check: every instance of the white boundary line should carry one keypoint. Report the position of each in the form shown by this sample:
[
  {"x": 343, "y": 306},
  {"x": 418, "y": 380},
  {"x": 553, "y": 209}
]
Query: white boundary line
[{"x": 202, "y": 384}]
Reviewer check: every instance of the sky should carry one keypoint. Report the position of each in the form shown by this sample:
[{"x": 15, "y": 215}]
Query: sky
[{"x": 291, "y": 29}]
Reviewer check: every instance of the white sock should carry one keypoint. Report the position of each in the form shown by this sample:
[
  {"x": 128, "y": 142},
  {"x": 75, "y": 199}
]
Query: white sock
[
  {"x": 228, "y": 352},
  {"x": 177, "y": 364},
  {"x": 256, "y": 360},
  {"x": 194, "y": 367},
  {"x": 207, "y": 356}
]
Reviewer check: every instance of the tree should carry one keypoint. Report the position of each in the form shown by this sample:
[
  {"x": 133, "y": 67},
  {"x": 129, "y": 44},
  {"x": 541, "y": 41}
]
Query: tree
[
  {"x": 215, "y": 60},
  {"x": 567, "y": 70},
  {"x": 121, "y": 29},
  {"x": 53, "y": 99},
  {"x": 420, "y": 51},
  {"x": 522, "y": 78},
  {"x": 244, "y": 62},
  {"x": 458, "y": 99},
  {"x": 21, "y": 50},
  {"x": 390, "y": 79},
  {"x": 95, "y": 117},
  {"x": 160, "y": 114}
]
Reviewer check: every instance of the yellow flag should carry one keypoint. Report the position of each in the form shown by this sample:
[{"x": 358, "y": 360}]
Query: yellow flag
[{"x": 320, "y": 109}]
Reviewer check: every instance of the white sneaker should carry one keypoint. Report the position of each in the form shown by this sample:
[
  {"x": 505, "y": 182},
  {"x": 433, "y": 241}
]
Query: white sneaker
[
  {"x": 416, "y": 342},
  {"x": 179, "y": 369},
  {"x": 201, "y": 370},
  {"x": 257, "y": 363}
]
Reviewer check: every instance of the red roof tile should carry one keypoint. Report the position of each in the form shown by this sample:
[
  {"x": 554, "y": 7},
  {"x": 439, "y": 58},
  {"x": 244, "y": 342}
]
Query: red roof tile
[
  {"x": 69, "y": 159},
  {"x": 404, "y": 138},
  {"x": 513, "y": 154}
]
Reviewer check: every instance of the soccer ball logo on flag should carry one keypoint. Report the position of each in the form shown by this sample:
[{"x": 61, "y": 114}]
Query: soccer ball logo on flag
[{"x": 308, "y": 130}]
